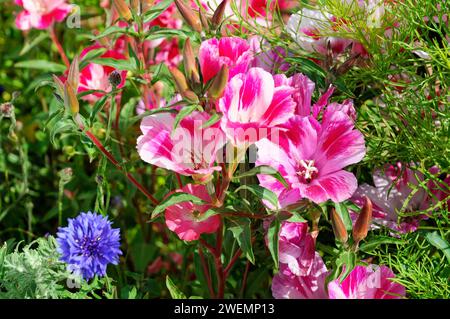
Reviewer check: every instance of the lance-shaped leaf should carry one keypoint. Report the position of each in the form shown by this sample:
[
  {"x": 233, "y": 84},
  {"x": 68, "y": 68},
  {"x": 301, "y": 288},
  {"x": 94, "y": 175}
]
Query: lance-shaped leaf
[
  {"x": 266, "y": 170},
  {"x": 173, "y": 199},
  {"x": 242, "y": 233}
]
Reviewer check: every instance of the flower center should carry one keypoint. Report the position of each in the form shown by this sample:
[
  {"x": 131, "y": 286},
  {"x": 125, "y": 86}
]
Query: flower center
[
  {"x": 89, "y": 246},
  {"x": 307, "y": 171}
]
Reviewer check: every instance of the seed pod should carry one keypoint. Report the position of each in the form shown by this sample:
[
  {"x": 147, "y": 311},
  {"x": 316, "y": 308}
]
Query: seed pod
[
  {"x": 180, "y": 80},
  {"x": 115, "y": 78},
  {"x": 338, "y": 226},
  {"x": 219, "y": 83},
  {"x": 190, "y": 65},
  {"x": 363, "y": 221},
  {"x": 122, "y": 9},
  {"x": 191, "y": 18},
  {"x": 217, "y": 17}
]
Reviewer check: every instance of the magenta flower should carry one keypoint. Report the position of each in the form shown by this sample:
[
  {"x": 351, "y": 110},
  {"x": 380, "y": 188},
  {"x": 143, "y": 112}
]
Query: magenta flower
[
  {"x": 311, "y": 157},
  {"x": 363, "y": 282},
  {"x": 389, "y": 195},
  {"x": 188, "y": 150},
  {"x": 185, "y": 219},
  {"x": 253, "y": 103},
  {"x": 302, "y": 271},
  {"x": 232, "y": 52},
  {"x": 367, "y": 282},
  {"x": 41, "y": 14}
]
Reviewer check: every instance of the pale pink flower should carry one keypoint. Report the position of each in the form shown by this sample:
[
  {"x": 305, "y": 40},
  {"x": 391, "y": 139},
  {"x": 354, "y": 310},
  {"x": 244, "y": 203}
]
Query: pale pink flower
[
  {"x": 230, "y": 51},
  {"x": 302, "y": 271},
  {"x": 311, "y": 157},
  {"x": 185, "y": 219},
  {"x": 188, "y": 150},
  {"x": 367, "y": 282},
  {"x": 252, "y": 104},
  {"x": 389, "y": 195},
  {"x": 41, "y": 14},
  {"x": 96, "y": 77},
  {"x": 311, "y": 29}
]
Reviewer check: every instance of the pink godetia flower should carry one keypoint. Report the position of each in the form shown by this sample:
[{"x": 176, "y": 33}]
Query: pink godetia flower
[
  {"x": 188, "y": 150},
  {"x": 187, "y": 220},
  {"x": 253, "y": 104},
  {"x": 391, "y": 195},
  {"x": 311, "y": 156},
  {"x": 367, "y": 282},
  {"x": 96, "y": 77},
  {"x": 41, "y": 14},
  {"x": 302, "y": 271},
  {"x": 233, "y": 52}
]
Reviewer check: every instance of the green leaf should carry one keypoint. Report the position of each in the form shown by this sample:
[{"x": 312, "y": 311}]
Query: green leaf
[
  {"x": 272, "y": 238},
  {"x": 440, "y": 243},
  {"x": 185, "y": 111},
  {"x": 261, "y": 193},
  {"x": 156, "y": 10},
  {"x": 347, "y": 262},
  {"x": 175, "y": 292},
  {"x": 91, "y": 55},
  {"x": 97, "y": 108},
  {"x": 266, "y": 170},
  {"x": 174, "y": 199},
  {"x": 41, "y": 65},
  {"x": 113, "y": 30},
  {"x": 374, "y": 242},
  {"x": 206, "y": 215},
  {"x": 342, "y": 211},
  {"x": 242, "y": 233},
  {"x": 30, "y": 45},
  {"x": 212, "y": 120},
  {"x": 128, "y": 65}
]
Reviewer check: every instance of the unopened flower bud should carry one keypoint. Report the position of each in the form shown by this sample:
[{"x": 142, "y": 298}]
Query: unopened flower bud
[
  {"x": 219, "y": 83},
  {"x": 180, "y": 80},
  {"x": 217, "y": 17},
  {"x": 115, "y": 78},
  {"x": 362, "y": 223},
  {"x": 122, "y": 9},
  {"x": 191, "y": 18},
  {"x": 70, "y": 99},
  {"x": 190, "y": 65},
  {"x": 190, "y": 96},
  {"x": 203, "y": 19},
  {"x": 74, "y": 74},
  {"x": 338, "y": 226}
]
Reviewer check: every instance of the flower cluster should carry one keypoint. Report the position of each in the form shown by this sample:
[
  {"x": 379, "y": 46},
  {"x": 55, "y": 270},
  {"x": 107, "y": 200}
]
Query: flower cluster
[{"x": 214, "y": 99}]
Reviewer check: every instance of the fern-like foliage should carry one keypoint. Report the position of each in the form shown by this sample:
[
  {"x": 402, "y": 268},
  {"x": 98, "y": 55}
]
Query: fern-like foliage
[{"x": 36, "y": 272}]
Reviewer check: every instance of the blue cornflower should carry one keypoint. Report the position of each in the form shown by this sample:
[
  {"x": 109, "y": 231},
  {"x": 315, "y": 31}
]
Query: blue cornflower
[{"x": 88, "y": 244}]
